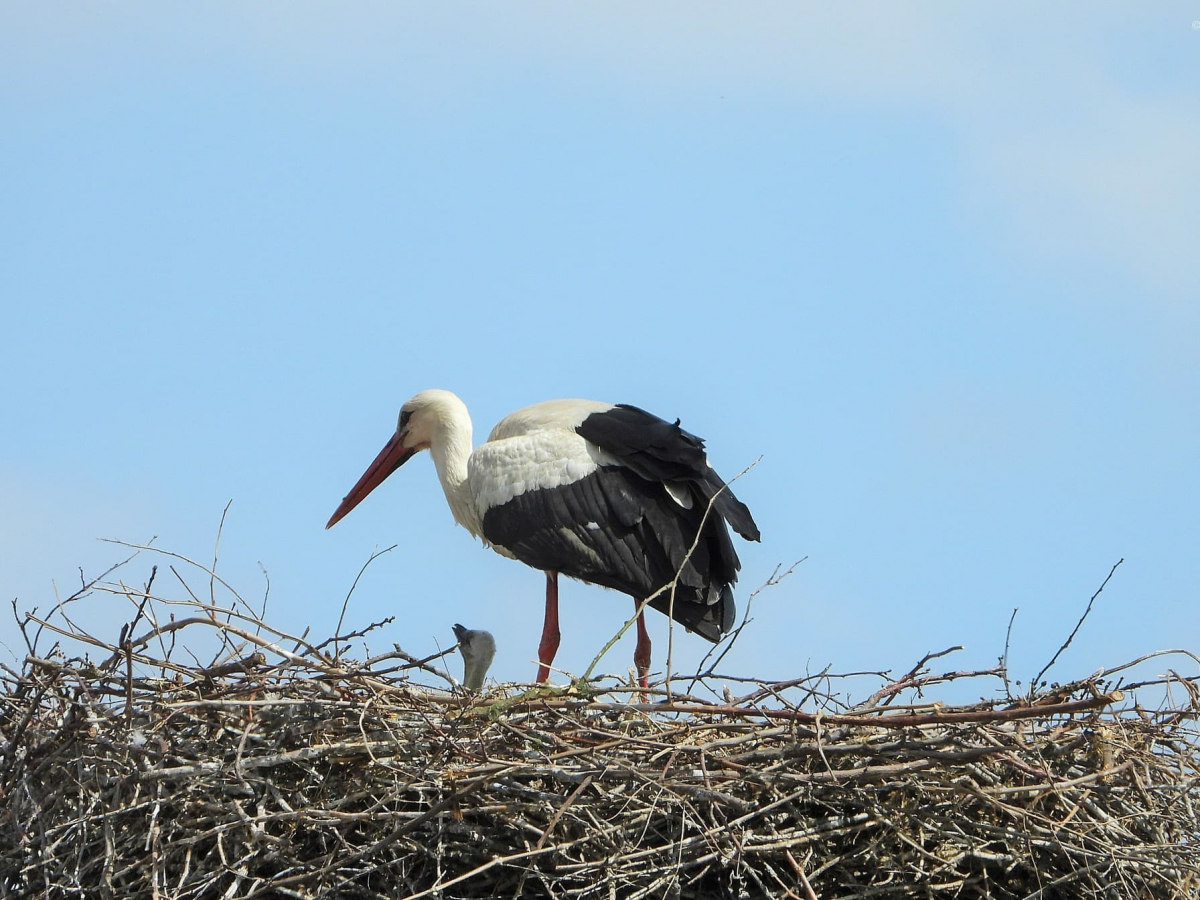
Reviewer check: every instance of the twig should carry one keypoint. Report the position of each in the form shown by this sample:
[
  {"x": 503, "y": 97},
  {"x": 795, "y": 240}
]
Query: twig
[
  {"x": 668, "y": 589},
  {"x": 212, "y": 581},
  {"x": 1037, "y": 680},
  {"x": 1004, "y": 658},
  {"x": 776, "y": 578},
  {"x": 345, "y": 603}
]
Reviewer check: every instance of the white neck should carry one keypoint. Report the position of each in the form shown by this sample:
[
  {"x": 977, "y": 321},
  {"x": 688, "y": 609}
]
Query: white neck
[{"x": 450, "y": 449}]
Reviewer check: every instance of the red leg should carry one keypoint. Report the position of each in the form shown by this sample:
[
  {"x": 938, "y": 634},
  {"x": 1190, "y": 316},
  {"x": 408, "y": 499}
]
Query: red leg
[
  {"x": 550, "y": 635},
  {"x": 641, "y": 653}
]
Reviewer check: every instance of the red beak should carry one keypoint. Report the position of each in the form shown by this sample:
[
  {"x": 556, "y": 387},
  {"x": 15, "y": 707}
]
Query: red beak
[{"x": 390, "y": 458}]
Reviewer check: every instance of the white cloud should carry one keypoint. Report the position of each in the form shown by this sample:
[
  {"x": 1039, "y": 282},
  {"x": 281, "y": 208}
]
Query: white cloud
[
  {"x": 1066, "y": 157},
  {"x": 1124, "y": 191}
]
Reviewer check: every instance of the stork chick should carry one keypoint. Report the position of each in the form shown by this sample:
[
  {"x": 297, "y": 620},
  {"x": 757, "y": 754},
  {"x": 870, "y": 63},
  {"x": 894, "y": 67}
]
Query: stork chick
[{"x": 478, "y": 649}]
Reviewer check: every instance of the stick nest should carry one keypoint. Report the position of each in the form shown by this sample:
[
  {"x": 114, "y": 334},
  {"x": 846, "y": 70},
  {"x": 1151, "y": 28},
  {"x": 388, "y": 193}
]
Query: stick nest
[{"x": 285, "y": 768}]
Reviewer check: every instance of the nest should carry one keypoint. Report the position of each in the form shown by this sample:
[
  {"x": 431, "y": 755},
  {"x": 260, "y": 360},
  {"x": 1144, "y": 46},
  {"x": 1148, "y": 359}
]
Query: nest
[{"x": 285, "y": 768}]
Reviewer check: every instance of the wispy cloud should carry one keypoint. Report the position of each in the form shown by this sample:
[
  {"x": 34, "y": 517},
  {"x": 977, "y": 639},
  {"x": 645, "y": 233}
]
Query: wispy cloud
[{"x": 1056, "y": 145}]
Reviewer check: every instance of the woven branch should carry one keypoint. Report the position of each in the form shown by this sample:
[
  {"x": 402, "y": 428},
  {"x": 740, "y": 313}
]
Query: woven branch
[{"x": 280, "y": 771}]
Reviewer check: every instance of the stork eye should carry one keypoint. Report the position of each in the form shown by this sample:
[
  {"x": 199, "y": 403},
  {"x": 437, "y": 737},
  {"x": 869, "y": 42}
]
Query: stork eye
[{"x": 405, "y": 415}]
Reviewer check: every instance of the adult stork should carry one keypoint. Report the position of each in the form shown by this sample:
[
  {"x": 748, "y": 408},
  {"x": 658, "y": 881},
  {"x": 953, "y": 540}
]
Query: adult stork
[{"x": 610, "y": 495}]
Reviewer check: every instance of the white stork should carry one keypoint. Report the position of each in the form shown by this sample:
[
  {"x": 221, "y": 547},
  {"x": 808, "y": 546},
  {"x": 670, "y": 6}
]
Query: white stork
[{"x": 610, "y": 495}]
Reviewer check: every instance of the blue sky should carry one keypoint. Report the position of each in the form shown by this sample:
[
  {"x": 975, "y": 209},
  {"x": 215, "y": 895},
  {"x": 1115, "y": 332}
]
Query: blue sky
[{"x": 936, "y": 266}]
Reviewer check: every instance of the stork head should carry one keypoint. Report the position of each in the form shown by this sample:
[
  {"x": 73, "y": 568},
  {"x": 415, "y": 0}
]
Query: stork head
[{"x": 423, "y": 422}]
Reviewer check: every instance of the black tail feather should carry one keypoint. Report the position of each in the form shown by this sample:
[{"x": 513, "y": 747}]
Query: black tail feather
[{"x": 732, "y": 510}]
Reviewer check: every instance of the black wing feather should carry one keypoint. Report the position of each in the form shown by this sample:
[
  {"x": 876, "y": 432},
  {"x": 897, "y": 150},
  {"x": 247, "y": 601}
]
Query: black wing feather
[
  {"x": 661, "y": 451},
  {"x": 636, "y": 546}
]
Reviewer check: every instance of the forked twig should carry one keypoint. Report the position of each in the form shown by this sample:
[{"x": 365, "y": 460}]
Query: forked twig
[
  {"x": 345, "y": 603},
  {"x": 668, "y": 589}
]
